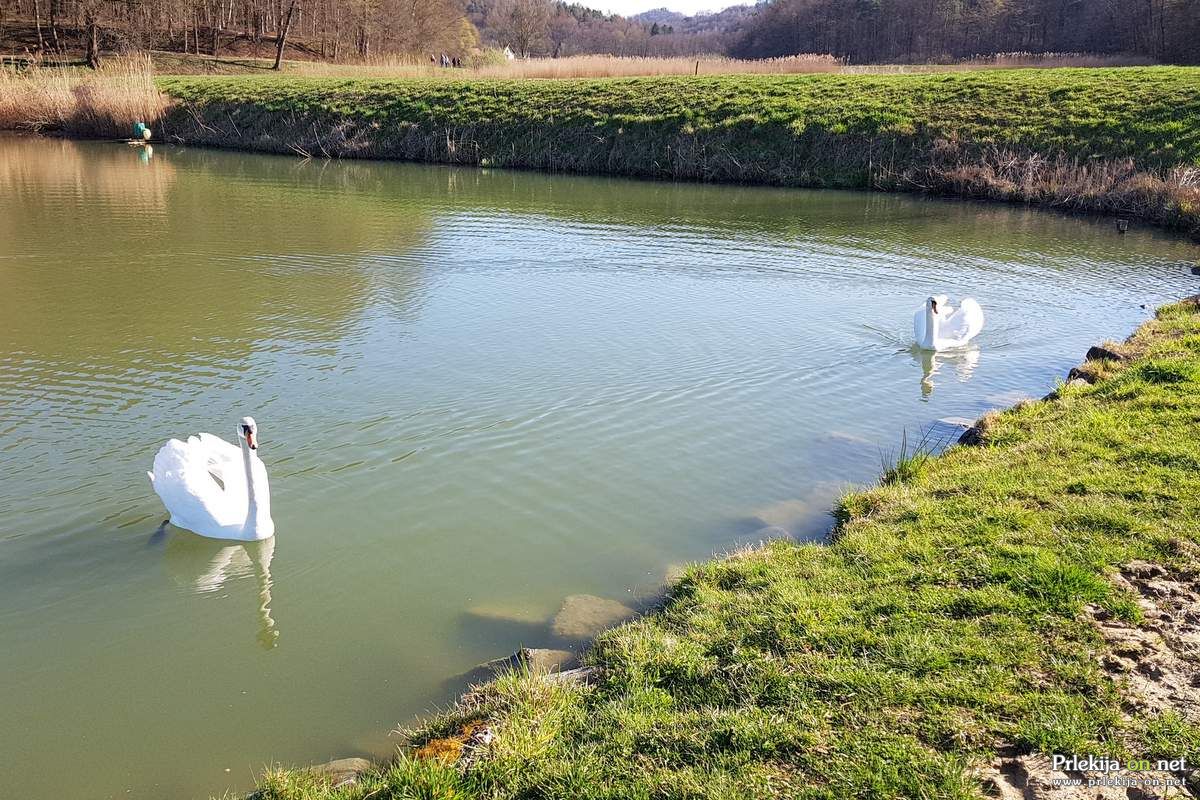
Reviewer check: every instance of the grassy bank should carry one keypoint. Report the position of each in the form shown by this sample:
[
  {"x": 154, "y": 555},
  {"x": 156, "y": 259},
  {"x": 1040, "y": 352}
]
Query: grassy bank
[
  {"x": 951, "y": 622},
  {"x": 1118, "y": 141},
  {"x": 1106, "y": 140}
]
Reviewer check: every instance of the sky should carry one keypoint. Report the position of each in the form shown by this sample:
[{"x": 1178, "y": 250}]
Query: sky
[{"x": 687, "y": 7}]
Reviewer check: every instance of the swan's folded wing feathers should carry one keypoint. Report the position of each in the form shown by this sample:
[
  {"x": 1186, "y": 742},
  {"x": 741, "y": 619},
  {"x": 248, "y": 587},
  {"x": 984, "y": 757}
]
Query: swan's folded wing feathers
[
  {"x": 223, "y": 459},
  {"x": 964, "y": 323},
  {"x": 183, "y": 481}
]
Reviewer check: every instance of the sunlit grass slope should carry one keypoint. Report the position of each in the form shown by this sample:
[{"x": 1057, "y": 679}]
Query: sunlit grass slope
[
  {"x": 943, "y": 625},
  {"x": 1109, "y": 140},
  {"x": 1149, "y": 114}
]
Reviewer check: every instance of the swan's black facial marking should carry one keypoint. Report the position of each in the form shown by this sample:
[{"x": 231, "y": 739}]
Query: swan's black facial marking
[
  {"x": 933, "y": 304},
  {"x": 249, "y": 434}
]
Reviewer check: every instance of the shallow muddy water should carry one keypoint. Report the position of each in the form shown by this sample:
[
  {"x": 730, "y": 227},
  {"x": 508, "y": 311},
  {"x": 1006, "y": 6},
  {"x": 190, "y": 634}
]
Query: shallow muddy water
[{"x": 477, "y": 393}]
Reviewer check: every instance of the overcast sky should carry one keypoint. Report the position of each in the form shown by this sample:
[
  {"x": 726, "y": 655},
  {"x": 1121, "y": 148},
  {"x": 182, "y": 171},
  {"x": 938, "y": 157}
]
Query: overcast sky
[{"x": 630, "y": 7}]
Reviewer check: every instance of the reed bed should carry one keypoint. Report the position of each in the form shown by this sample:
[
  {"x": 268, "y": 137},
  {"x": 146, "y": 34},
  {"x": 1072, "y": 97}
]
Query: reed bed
[
  {"x": 1004, "y": 61},
  {"x": 590, "y": 66},
  {"x": 1024, "y": 60},
  {"x": 1166, "y": 197},
  {"x": 491, "y": 65},
  {"x": 82, "y": 102},
  {"x": 609, "y": 66}
]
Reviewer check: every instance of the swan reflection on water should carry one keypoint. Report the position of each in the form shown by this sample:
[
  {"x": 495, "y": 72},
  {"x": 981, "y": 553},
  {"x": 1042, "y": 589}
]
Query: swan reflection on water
[
  {"x": 206, "y": 566},
  {"x": 963, "y": 362}
]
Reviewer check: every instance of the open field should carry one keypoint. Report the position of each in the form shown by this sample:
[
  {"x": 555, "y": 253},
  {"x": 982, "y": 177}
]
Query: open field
[{"x": 971, "y": 607}]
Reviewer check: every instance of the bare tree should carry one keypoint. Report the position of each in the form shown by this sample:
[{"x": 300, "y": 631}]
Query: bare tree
[
  {"x": 281, "y": 42},
  {"x": 525, "y": 24}
]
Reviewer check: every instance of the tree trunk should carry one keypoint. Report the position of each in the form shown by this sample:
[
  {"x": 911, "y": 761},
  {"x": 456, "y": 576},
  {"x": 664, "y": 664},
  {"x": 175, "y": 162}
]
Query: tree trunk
[
  {"x": 283, "y": 32},
  {"x": 54, "y": 26},
  {"x": 93, "y": 43},
  {"x": 37, "y": 20}
]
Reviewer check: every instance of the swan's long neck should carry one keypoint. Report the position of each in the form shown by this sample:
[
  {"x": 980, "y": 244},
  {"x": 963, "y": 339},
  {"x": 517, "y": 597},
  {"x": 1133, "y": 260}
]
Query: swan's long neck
[
  {"x": 931, "y": 327},
  {"x": 258, "y": 510}
]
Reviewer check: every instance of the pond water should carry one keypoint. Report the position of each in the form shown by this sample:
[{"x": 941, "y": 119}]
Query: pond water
[{"x": 477, "y": 392}]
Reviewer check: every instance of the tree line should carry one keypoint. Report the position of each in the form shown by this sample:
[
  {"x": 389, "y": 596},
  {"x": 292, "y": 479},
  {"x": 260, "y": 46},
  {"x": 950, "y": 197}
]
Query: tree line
[
  {"x": 328, "y": 29},
  {"x": 859, "y": 31},
  {"x": 872, "y": 31}
]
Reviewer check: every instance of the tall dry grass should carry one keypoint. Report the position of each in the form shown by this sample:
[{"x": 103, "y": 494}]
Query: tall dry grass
[
  {"x": 82, "y": 102},
  {"x": 491, "y": 65},
  {"x": 593, "y": 66},
  {"x": 1169, "y": 198},
  {"x": 1004, "y": 61},
  {"x": 610, "y": 67}
]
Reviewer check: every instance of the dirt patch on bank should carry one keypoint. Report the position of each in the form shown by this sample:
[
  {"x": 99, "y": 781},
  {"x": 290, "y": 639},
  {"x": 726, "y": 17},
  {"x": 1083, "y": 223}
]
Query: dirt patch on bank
[
  {"x": 1159, "y": 660},
  {"x": 1157, "y": 665}
]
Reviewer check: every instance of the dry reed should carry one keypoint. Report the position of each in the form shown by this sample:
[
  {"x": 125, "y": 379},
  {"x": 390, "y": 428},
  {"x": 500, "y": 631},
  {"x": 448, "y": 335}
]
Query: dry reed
[
  {"x": 1004, "y": 61},
  {"x": 592, "y": 66},
  {"x": 1170, "y": 198},
  {"x": 493, "y": 66},
  {"x": 81, "y": 102}
]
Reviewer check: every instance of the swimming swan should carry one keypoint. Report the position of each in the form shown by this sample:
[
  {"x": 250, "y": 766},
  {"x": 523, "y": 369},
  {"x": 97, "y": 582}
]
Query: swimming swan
[
  {"x": 938, "y": 326},
  {"x": 212, "y": 489}
]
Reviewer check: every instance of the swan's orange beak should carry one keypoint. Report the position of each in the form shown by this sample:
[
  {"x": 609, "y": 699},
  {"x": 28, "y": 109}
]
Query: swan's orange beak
[{"x": 250, "y": 439}]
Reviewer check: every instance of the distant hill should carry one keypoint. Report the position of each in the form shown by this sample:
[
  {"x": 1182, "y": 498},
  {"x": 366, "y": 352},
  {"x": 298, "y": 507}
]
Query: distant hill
[
  {"x": 663, "y": 16},
  {"x": 719, "y": 21}
]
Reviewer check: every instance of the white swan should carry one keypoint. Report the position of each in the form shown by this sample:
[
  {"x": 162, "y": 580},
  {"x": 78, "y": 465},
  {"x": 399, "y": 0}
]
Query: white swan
[
  {"x": 214, "y": 490},
  {"x": 938, "y": 326}
]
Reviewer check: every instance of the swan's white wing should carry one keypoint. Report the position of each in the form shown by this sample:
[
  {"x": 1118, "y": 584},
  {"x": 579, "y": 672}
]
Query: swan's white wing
[
  {"x": 965, "y": 323},
  {"x": 184, "y": 479},
  {"x": 224, "y": 460}
]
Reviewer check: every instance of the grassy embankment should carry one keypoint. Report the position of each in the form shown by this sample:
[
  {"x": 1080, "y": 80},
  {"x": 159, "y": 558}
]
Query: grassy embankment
[
  {"x": 944, "y": 625},
  {"x": 1121, "y": 141}
]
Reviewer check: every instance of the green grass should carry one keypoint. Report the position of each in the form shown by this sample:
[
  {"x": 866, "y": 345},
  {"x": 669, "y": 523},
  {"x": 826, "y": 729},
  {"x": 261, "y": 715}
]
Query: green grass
[
  {"x": 941, "y": 626},
  {"x": 1149, "y": 114},
  {"x": 1095, "y": 140}
]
